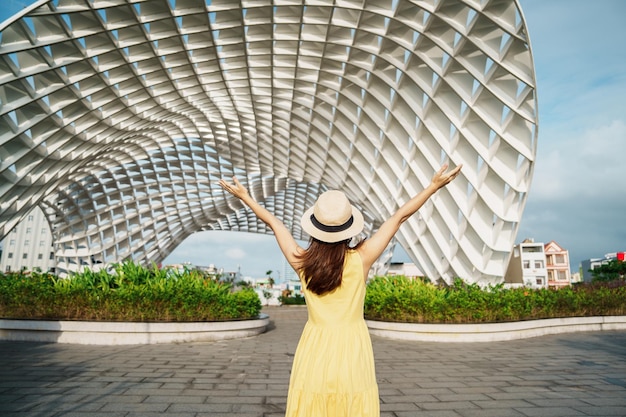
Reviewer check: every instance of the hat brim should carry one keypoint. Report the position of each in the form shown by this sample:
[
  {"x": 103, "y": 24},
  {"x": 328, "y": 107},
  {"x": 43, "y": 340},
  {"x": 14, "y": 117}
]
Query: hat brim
[{"x": 332, "y": 237}]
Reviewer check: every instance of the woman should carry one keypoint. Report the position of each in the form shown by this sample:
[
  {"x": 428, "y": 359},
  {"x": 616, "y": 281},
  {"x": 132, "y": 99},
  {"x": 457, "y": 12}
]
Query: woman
[{"x": 333, "y": 371}]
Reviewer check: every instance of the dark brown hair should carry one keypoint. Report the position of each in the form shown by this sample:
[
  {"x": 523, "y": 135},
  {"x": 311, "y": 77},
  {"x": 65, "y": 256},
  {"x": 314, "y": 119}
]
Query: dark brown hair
[{"x": 322, "y": 265}]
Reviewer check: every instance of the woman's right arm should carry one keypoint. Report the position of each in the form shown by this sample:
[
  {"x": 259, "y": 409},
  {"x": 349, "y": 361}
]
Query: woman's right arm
[
  {"x": 373, "y": 247},
  {"x": 288, "y": 245}
]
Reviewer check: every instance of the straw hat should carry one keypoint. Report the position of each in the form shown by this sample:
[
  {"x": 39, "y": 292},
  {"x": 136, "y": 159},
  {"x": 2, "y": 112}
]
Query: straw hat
[{"x": 332, "y": 218}]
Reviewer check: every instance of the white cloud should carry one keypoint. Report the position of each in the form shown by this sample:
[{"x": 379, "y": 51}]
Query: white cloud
[
  {"x": 590, "y": 165},
  {"x": 235, "y": 253},
  {"x": 578, "y": 195}
]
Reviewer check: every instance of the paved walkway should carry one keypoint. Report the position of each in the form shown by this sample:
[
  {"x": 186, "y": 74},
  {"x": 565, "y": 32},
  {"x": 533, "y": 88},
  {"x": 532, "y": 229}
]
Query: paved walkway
[{"x": 581, "y": 374}]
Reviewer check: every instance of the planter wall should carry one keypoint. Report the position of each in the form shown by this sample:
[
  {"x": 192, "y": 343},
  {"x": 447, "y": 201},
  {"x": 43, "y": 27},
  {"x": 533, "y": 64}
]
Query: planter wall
[
  {"x": 127, "y": 333},
  {"x": 493, "y": 332}
]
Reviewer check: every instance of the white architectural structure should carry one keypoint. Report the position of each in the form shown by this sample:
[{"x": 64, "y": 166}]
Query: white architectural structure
[{"x": 117, "y": 118}]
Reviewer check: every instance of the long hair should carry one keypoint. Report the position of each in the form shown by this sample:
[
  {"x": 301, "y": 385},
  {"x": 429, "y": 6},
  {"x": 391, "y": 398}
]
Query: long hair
[{"x": 322, "y": 265}]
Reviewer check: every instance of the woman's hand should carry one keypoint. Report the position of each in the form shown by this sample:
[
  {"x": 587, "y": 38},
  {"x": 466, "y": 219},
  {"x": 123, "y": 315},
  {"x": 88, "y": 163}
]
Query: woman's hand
[
  {"x": 443, "y": 178},
  {"x": 235, "y": 188}
]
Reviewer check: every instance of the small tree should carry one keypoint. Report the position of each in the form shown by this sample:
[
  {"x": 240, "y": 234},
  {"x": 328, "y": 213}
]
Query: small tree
[
  {"x": 610, "y": 271},
  {"x": 243, "y": 284}
]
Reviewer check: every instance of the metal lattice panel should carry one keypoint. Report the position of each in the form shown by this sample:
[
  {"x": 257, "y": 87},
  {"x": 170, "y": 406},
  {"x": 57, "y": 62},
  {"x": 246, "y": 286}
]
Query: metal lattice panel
[{"x": 118, "y": 117}]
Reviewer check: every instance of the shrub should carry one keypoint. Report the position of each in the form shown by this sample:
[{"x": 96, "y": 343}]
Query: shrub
[
  {"x": 295, "y": 300},
  {"x": 129, "y": 292},
  {"x": 404, "y": 300}
]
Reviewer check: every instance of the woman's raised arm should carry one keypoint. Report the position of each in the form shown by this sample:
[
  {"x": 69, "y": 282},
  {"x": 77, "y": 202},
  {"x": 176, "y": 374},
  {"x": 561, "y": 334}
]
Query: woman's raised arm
[
  {"x": 286, "y": 242},
  {"x": 373, "y": 247}
]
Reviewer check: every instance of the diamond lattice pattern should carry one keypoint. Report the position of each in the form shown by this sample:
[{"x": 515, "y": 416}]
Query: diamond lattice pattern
[{"x": 118, "y": 117}]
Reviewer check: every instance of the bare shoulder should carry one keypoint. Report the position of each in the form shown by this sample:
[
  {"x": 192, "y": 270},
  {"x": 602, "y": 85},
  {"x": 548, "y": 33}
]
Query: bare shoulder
[{"x": 365, "y": 260}]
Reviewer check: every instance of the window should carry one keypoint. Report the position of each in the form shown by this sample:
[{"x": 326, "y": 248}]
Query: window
[
  {"x": 24, "y": 256},
  {"x": 42, "y": 243},
  {"x": 12, "y": 242},
  {"x": 538, "y": 264},
  {"x": 527, "y": 264},
  {"x": 560, "y": 259},
  {"x": 51, "y": 255},
  {"x": 8, "y": 268},
  {"x": 28, "y": 230},
  {"x": 540, "y": 280},
  {"x": 532, "y": 249},
  {"x": 562, "y": 275},
  {"x": 30, "y": 218},
  {"x": 40, "y": 256},
  {"x": 10, "y": 255},
  {"x": 26, "y": 242}
]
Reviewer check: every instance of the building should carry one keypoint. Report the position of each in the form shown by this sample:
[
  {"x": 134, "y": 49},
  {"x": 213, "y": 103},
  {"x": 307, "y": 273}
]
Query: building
[
  {"x": 589, "y": 264},
  {"x": 527, "y": 266},
  {"x": 118, "y": 117},
  {"x": 557, "y": 265},
  {"x": 295, "y": 287},
  {"x": 576, "y": 277},
  {"x": 407, "y": 269},
  {"x": 28, "y": 246}
]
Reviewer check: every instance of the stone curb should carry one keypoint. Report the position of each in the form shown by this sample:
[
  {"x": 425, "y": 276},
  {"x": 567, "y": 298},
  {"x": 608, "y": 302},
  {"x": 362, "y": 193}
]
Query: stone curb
[
  {"x": 128, "y": 333},
  {"x": 493, "y": 332}
]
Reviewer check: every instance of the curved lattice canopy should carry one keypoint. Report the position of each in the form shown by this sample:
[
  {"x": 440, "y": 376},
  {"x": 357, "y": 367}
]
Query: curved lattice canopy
[{"x": 119, "y": 116}]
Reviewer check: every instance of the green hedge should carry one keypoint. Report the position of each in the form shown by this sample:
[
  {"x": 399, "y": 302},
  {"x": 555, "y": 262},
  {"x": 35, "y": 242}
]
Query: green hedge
[
  {"x": 129, "y": 292},
  {"x": 404, "y": 300}
]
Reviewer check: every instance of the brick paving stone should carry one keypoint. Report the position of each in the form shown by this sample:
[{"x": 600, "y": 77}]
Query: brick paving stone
[
  {"x": 602, "y": 411},
  {"x": 493, "y": 412},
  {"x": 578, "y": 374},
  {"x": 550, "y": 412},
  {"x": 427, "y": 413}
]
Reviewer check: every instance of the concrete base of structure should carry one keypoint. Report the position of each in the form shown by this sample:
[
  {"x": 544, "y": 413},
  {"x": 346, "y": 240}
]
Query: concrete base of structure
[
  {"x": 493, "y": 332},
  {"x": 128, "y": 333}
]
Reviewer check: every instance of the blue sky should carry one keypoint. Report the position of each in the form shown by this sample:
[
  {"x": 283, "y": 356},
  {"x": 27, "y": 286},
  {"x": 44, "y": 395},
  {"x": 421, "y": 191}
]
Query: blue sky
[{"x": 578, "y": 194}]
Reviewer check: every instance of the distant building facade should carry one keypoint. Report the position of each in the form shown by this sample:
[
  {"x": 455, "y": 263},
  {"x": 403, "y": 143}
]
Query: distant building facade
[
  {"x": 409, "y": 270},
  {"x": 557, "y": 265},
  {"x": 527, "y": 266},
  {"x": 589, "y": 264},
  {"x": 29, "y": 245}
]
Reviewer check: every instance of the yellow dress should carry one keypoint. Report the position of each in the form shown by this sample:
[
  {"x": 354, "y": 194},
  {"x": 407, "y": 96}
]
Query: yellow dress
[{"x": 333, "y": 371}]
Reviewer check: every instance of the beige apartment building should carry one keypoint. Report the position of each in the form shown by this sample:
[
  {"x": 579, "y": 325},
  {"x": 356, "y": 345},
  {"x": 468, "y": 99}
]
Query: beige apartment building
[{"x": 557, "y": 265}]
